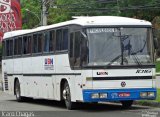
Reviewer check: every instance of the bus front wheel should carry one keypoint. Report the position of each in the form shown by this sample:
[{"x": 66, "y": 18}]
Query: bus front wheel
[
  {"x": 18, "y": 91},
  {"x": 127, "y": 104},
  {"x": 67, "y": 96}
]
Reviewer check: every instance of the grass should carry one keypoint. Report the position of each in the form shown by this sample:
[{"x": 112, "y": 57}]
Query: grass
[
  {"x": 147, "y": 102},
  {"x": 158, "y": 95},
  {"x": 158, "y": 66}
]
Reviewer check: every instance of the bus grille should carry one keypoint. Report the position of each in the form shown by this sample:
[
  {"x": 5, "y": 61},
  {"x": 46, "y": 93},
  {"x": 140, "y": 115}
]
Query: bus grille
[{"x": 5, "y": 81}]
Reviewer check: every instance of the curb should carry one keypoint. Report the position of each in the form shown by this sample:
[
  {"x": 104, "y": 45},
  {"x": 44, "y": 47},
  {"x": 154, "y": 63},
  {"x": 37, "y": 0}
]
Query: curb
[
  {"x": 147, "y": 103},
  {"x": 157, "y": 74},
  {"x": 1, "y": 88}
]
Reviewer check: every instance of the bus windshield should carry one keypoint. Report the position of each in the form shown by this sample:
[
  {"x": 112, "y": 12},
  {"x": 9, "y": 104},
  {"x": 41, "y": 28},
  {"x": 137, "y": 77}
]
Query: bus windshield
[{"x": 119, "y": 46}]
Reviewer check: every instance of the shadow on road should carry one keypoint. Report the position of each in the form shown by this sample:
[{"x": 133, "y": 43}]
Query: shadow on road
[
  {"x": 42, "y": 102},
  {"x": 86, "y": 107}
]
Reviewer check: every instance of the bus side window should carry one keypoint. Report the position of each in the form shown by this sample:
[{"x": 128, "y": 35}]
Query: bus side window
[
  {"x": 7, "y": 47},
  {"x": 46, "y": 42},
  {"x": 75, "y": 49},
  {"x": 65, "y": 40},
  {"x": 35, "y": 44},
  {"x": 19, "y": 52},
  {"x": 18, "y": 46},
  {"x": 15, "y": 46},
  {"x": 52, "y": 41},
  {"x": 11, "y": 47},
  {"x": 84, "y": 51},
  {"x": 71, "y": 48},
  {"x": 27, "y": 45},
  {"x": 40, "y": 39},
  {"x": 3, "y": 49},
  {"x": 58, "y": 39}
]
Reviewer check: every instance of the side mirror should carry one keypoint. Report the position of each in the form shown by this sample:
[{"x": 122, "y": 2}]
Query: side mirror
[
  {"x": 155, "y": 38},
  {"x": 155, "y": 43}
]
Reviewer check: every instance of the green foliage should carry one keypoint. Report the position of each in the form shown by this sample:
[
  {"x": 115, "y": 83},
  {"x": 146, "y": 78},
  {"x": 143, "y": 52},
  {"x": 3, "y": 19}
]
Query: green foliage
[
  {"x": 158, "y": 66},
  {"x": 158, "y": 95},
  {"x": 30, "y": 18},
  {"x": 149, "y": 102},
  {"x": 65, "y": 9}
]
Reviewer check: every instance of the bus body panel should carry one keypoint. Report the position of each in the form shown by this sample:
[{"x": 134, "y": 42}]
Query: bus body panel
[
  {"x": 134, "y": 78},
  {"x": 73, "y": 77},
  {"x": 110, "y": 81},
  {"x": 117, "y": 84},
  {"x": 40, "y": 80},
  {"x": 118, "y": 94}
]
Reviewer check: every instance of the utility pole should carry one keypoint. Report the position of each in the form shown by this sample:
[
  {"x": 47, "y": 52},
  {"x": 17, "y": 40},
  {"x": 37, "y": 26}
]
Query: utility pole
[
  {"x": 45, "y": 5},
  {"x": 44, "y": 13},
  {"x": 118, "y": 8}
]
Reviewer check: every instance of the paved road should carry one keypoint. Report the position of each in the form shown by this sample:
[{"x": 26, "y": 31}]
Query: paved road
[
  {"x": 43, "y": 108},
  {"x": 158, "y": 81}
]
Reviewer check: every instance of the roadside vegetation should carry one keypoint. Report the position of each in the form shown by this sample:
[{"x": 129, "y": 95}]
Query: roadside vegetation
[
  {"x": 158, "y": 95},
  {"x": 62, "y": 10},
  {"x": 158, "y": 66},
  {"x": 151, "y": 102}
]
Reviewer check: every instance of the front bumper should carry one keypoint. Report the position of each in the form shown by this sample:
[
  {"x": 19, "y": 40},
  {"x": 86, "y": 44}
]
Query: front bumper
[{"x": 117, "y": 94}]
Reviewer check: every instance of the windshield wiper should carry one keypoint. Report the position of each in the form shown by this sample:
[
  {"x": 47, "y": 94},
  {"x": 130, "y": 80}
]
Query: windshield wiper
[
  {"x": 141, "y": 50},
  {"x": 136, "y": 57},
  {"x": 83, "y": 34},
  {"x": 115, "y": 59},
  {"x": 137, "y": 60},
  {"x": 123, "y": 38}
]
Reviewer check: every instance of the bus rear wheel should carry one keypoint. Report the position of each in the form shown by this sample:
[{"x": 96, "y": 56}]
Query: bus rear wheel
[
  {"x": 18, "y": 91},
  {"x": 67, "y": 97},
  {"x": 127, "y": 104}
]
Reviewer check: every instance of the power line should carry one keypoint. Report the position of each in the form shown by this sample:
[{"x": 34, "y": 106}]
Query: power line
[
  {"x": 52, "y": 5},
  {"x": 110, "y": 10},
  {"x": 89, "y": 7},
  {"x": 106, "y": 1},
  {"x": 122, "y": 8},
  {"x": 81, "y": 6}
]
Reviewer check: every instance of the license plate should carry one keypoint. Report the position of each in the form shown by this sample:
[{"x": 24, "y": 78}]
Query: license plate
[{"x": 124, "y": 94}]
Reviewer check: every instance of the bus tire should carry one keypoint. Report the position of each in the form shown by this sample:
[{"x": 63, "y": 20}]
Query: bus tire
[
  {"x": 67, "y": 97},
  {"x": 19, "y": 98},
  {"x": 127, "y": 104}
]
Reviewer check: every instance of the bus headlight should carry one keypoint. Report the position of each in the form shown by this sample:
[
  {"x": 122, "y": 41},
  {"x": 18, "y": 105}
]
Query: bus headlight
[
  {"x": 94, "y": 95},
  {"x": 151, "y": 94},
  {"x": 143, "y": 94},
  {"x": 147, "y": 94},
  {"x": 103, "y": 95}
]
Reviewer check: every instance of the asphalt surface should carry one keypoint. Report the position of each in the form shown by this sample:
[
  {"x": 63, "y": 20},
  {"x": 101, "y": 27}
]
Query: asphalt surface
[
  {"x": 45, "y": 108},
  {"x": 158, "y": 81}
]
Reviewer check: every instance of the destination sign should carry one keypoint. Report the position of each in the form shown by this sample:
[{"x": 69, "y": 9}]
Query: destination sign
[{"x": 102, "y": 30}]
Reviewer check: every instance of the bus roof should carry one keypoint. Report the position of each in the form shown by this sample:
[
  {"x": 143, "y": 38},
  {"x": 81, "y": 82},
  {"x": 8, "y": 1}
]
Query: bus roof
[{"x": 85, "y": 21}]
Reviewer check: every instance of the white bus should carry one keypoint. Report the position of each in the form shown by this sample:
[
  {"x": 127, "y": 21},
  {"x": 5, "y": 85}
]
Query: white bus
[{"x": 88, "y": 59}]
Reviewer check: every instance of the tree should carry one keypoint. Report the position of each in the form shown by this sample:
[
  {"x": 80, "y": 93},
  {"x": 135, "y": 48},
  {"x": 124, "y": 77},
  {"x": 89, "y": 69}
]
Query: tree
[
  {"x": 30, "y": 16},
  {"x": 62, "y": 10}
]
